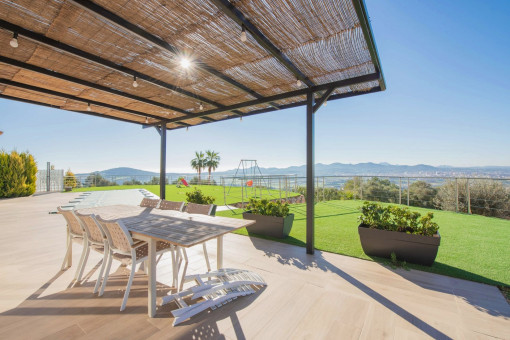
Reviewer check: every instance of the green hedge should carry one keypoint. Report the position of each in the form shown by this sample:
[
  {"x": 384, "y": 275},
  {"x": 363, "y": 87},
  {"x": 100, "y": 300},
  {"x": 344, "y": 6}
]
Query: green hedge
[{"x": 17, "y": 174}]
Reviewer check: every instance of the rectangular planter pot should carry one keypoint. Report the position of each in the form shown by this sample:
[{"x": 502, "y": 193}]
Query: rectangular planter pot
[
  {"x": 269, "y": 225},
  {"x": 411, "y": 248}
]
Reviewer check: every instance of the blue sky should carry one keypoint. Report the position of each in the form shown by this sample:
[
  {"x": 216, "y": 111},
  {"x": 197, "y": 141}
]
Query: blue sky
[{"x": 447, "y": 102}]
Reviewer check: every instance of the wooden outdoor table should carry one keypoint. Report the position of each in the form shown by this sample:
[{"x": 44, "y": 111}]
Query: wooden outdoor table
[{"x": 178, "y": 228}]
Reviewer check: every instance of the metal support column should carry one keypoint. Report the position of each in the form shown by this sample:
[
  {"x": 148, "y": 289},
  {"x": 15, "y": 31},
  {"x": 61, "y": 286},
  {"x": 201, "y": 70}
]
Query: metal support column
[
  {"x": 310, "y": 174},
  {"x": 162, "y": 165}
]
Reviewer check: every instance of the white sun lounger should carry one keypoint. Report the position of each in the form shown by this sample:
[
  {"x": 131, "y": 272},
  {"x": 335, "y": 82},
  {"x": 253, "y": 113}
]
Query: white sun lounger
[{"x": 222, "y": 286}]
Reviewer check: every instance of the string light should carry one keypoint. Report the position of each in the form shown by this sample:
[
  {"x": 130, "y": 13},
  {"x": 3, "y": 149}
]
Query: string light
[
  {"x": 146, "y": 120},
  {"x": 187, "y": 128},
  {"x": 243, "y": 34},
  {"x": 241, "y": 119},
  {"x": 88, "y": 107},
  {"x": 14, "y": 40},
  {"x": 201, "y": 106},
  {"x": 299, "y": 83},
  {"x": 135, "y": 83},
  {"x": 325, "y": 103}
]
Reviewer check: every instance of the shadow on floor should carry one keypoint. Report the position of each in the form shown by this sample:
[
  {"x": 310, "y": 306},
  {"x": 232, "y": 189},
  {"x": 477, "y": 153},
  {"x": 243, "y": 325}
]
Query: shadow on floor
[
  {"x": 74, "y": 309},
  {"x": 304, "y": 261}
]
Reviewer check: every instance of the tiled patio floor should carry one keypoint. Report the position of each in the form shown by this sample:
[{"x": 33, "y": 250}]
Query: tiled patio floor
[{"x": 325, "y": 296}]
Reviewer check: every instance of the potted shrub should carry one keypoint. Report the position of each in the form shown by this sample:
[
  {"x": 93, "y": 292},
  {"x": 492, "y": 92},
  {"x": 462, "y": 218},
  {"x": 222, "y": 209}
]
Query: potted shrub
[
  {"x": 272, "y": 218},
  {"x": 412, "y": 237},
  {"x": 196, "y": 196}
]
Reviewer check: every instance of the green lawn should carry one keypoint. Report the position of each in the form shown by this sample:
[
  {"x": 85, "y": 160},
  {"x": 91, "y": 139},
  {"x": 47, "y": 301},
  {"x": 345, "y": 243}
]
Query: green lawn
[
  {"x": 179, "y": 194},
  {"x": 472, "y": 247}
]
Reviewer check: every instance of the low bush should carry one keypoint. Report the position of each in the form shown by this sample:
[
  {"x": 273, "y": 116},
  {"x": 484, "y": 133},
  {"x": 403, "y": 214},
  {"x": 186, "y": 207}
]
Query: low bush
[
  {"x": 196, "y": 196},
  {"x": 396, "y": 218},
  {"x": 18, "y": 174},
  {"x": 268, "y": 208}
]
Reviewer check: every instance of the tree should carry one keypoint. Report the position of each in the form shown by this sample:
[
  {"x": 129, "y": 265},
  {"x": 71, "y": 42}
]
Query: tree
[
  {"x": 132, "y": 182},
  {"x": 70, "y": 179},
  {"x": 198, "y": 163},
  {"x": 486, "y": 197},
  {"x": 212, "y": 161},
  {"x": 96, "y": 180},
  {"x": 421, "y": 194},
  {"x": 382, "y": 190},
  {"x": 155, "y": 181}
]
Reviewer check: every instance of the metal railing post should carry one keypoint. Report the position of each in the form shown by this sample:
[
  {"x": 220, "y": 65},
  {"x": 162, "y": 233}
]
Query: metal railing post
[
  {"x": 323, "y": 189},
  {"x": 468, "y": 194},
  {"x": 456, "y": 195},
  {"x": 400, "y": 190},
  {"x": 408, "y": 191},
  {"x": 361, "y": 186}
]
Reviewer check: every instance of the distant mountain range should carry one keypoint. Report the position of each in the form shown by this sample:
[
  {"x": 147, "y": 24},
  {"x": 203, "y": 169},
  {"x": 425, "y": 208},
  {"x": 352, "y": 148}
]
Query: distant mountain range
[{"x": 340, "y": 169}]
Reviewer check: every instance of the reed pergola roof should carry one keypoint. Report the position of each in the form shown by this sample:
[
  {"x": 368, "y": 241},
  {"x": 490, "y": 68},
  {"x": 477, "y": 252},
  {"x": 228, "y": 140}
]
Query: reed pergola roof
[{"x": 83, "y": 56}]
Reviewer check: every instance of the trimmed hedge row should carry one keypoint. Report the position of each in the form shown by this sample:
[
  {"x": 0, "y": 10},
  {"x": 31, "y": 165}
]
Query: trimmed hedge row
[{"x": 17, "y": 174}]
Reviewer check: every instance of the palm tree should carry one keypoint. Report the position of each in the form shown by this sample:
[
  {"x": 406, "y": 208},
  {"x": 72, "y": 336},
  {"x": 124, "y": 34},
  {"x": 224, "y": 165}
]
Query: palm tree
[
  {"x": 198, "y": 163},
  {"x": 212, "y": 161}
]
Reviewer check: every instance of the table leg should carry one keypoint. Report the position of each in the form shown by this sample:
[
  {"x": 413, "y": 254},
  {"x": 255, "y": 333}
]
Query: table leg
[
  {"x": 152, "y": 278},
  {"x": 219, "y": 253}
]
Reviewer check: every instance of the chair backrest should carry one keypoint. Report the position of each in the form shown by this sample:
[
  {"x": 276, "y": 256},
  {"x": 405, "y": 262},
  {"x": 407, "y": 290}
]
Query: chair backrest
[
  {"x": 149, "y": 202},
  {"x": 204, "y": 209},
  {"x": 72, "y": 222},
  {"x": 118, "y": 236},
  {"x": 94, "y": 231},
  {"x": 171, "y": 205}
]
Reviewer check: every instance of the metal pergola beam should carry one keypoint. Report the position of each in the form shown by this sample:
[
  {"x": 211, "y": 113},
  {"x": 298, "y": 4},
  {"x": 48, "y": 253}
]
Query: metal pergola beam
[
  {"x": 361, "y": 11},
  {"x": 317, "y": 88},
  {"x": 27, "y": 101},
  {"x": 297, "y": 104},
  {"x": 43, "y": 40},
  {"x": 65, "y": 77},
  {"x": 71, "y": 97},
  {"x": 323, "y": 99},
  {"x": 232, "y": 12},
  {"x": 310, "y": 174},
  {"x": 154, "y": 40}
]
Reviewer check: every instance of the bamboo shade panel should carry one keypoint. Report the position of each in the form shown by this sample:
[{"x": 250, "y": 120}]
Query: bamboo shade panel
[{"x": 323, "y": 39}]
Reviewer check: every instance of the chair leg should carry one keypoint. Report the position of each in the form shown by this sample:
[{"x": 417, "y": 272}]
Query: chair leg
[
  {"x": 106, "y": 273},
  {"x": 101, "y": 271},
  {"x": 128, "y": 287},
  {"x": 65, "y": 263},
  {"x": 206, "y": 257},
  {"x": 83, "y": 260}
]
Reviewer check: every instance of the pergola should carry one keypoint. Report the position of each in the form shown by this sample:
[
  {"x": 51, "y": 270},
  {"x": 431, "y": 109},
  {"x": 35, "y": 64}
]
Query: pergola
[{"x": 176, "y": 64}]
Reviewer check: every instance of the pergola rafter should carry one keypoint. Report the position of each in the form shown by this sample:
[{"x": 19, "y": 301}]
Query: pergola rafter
[{"x": 75, "y": 98}]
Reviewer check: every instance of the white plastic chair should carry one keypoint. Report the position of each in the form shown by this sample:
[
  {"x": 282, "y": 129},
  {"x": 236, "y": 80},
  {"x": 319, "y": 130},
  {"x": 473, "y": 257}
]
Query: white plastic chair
[{"x": 124, "y": 248}]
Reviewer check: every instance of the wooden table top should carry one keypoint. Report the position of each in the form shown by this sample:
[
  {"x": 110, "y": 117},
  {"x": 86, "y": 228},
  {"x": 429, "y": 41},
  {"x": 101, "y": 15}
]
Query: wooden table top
[{"x": 175, "y": 227}]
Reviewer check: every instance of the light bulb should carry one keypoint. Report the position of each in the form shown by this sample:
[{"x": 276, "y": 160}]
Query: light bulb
[
  {"x": 14, "y": 41},
  {"x": 325, "y": 103},
  {"x": 146, "y": 120},
  {"x": 201, "y": 106},
  {"x": 241, "y": 119},
  {"x": 299, "y": 83},
  {"x": 243, "y": 34},
  {"x": 88, "y": 107},
  {"x": 135, "y": 83},
  {"x": 187, "y": 128}
]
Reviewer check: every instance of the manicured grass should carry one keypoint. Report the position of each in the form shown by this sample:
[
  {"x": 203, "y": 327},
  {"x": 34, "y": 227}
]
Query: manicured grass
[
  {"x": 179, "y": 194},
  {"x": 472, "y": 247}
]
